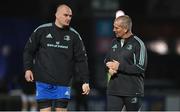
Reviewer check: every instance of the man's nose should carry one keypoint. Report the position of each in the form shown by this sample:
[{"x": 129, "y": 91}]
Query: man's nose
[
  {"x": 69, "y": 17},
  {"x": 114, "y": 29}
]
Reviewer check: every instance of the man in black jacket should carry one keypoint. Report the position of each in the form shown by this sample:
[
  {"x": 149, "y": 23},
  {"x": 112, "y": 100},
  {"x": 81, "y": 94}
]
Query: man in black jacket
[
  {"x": 49, "y": 58},
  {"x": 126, "y": 63}
]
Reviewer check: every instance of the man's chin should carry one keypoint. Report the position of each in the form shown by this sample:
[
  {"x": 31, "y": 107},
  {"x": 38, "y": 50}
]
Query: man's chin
[{"x": 66, "y": 24}]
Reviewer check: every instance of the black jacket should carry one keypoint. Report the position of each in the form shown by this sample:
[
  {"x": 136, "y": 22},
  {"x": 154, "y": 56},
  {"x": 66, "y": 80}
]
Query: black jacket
[
  {"x": 52, "y": 52},
  {"x": 133, "y": 61}
]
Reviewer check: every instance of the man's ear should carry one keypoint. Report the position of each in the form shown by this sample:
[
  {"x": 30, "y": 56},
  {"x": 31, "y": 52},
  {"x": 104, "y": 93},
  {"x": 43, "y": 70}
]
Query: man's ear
[{"x": 56, "y": 14}]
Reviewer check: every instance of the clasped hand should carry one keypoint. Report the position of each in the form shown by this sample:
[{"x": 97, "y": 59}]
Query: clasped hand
[{"x": 113, "y": 66}]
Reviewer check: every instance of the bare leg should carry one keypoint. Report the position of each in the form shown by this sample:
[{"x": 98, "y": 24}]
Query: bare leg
[
  {"x": 46, "y": 109},
  {"x": 61, "y": 110}
]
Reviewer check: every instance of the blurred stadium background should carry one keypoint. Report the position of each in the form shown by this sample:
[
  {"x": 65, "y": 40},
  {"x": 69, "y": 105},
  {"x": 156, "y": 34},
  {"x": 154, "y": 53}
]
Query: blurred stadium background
[{"x": 155, "y": 21}]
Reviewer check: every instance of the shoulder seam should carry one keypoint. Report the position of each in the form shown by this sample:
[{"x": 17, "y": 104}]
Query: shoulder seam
[
  {"x": 73, "y": 30},
  {"x": 43, "y": 26},
  {"x": 142, "y": 51}
]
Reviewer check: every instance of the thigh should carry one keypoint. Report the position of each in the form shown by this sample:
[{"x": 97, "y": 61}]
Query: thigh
[
  {"x": 133, "y": 103},
  {"x": 114, "y": 103},
  {"x": 43, "y": 104},
  {"x": 61, "y": 103}
]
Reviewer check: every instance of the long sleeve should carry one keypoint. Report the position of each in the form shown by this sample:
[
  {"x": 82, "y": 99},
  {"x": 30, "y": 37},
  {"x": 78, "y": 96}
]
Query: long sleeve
[
  {"x": 30, "y": 51},
  {"x": 107, "y": 58},
  {"x": 139, "y": 61},
  {"x": 81, "y": 59}
]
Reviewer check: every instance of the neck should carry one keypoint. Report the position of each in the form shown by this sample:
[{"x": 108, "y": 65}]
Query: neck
[
  {"x": 127, "y": 35},
  {"x": 58, "y": 25}
]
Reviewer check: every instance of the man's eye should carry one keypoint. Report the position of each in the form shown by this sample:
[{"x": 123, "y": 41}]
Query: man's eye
[
  {"x": 67, "y": 15},
  {"x": 116, "y": 28}
]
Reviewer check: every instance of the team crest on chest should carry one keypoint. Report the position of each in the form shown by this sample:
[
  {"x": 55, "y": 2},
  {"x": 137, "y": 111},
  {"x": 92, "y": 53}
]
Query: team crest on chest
[
  {"x": 129, "y": 47},
  {"x": 67, "y": 38}
]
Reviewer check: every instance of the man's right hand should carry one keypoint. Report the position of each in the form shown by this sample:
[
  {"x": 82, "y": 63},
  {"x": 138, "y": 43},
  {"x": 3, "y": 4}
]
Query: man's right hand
[
  {"x": 112, "y": 72},
  {"x": 29, "y": 76},
  {"x": 85, "y": 88}
]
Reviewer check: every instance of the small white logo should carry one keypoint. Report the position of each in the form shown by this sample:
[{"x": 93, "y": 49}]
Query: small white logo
[
  {"x": 49, "y": 36},
  {"x": 67, "y": 37},
  {"x": 57, "y": 42},
  {"x": 67, "y": 93},
  {"x": 129, "y": 47},
  {"x": 134, "y": 100},
  {"x": 114, "y": 47}
]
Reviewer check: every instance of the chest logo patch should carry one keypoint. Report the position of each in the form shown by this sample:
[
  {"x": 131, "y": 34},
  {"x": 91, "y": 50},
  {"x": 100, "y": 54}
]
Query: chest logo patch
[
  {"x": 129, "y": 47},
  {"x": 49, "y": 35},
  {"x": 114, "y": 47},
  {"x": 67, "y": 38}
]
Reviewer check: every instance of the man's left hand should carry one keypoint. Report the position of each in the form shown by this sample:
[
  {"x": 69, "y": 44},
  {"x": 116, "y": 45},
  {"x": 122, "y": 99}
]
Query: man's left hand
[{"x": 85, "y": 88}]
